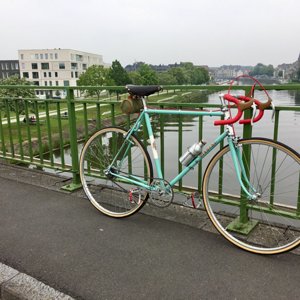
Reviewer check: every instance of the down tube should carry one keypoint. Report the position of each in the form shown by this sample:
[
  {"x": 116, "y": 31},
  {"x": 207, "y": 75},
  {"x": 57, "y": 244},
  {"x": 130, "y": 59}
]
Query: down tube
[
  {"x": 153, "y": 146},
  {"x": 217, "y": 141}
]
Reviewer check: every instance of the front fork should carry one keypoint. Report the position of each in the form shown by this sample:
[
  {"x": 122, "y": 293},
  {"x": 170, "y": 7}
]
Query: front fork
[
  {"x": 239, "y": 166},
  {"x": 241, "y": 157}
]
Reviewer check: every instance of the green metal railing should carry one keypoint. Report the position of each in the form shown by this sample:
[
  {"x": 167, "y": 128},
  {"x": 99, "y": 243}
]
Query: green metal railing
[{"x": 62, "y": 124}]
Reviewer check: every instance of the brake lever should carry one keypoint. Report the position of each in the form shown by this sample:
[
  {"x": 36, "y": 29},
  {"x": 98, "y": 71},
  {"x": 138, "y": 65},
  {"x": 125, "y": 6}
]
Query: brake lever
[
  {"x": 273, "y": 111},
  {"x": 253, "y": 113}
]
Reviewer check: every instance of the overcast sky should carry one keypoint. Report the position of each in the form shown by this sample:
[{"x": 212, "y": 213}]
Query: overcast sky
[{"x": 205, "y": 32}]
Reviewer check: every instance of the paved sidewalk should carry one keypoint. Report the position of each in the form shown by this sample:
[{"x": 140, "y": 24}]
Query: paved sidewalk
[{"x": 62, "y": 242}]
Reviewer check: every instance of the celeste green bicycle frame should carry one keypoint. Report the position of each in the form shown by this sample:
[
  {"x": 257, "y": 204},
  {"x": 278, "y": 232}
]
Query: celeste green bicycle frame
[{"x": 145, "y": 116}]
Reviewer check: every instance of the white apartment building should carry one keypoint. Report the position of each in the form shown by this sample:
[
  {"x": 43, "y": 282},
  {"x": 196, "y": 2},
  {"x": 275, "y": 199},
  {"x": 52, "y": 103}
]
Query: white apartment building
[{"x": 55, "y": 67}]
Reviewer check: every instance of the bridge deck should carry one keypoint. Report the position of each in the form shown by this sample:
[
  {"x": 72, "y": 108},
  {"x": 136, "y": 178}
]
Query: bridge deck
[{"x": 61, "y": 240}]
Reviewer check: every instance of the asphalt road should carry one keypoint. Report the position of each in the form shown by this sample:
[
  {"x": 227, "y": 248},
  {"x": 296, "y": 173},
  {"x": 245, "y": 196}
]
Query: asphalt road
[{"x": 64, "y": 242}]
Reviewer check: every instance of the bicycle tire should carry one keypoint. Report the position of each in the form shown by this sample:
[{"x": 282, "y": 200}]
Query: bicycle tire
[
  {"x": 270, "y": 224},
  {"x": 112, "y": 196}
]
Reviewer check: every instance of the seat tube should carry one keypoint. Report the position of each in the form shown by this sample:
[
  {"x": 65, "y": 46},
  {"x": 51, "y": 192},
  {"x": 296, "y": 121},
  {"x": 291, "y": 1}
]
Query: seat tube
[{"x": 153, "y": 145}]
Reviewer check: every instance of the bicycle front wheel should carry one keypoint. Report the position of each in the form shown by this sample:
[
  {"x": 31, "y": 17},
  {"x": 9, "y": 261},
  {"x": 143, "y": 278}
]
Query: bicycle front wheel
[
  {"x": 111, "y": 148},
  {"x": 271, "y": 223}
]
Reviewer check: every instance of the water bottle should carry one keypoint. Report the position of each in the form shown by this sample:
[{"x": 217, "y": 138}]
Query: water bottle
[{"x": 191, "y": 153}]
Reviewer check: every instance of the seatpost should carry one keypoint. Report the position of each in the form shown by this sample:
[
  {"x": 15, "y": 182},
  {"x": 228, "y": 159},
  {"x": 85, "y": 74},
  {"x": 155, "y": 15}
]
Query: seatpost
[{"x": 144, "y": 103}]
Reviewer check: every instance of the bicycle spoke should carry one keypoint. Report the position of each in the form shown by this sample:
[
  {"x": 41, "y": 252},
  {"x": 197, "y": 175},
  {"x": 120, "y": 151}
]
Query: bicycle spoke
[
  {"x": 271, "y": 223},
  {"x": 106, "y": 155}
]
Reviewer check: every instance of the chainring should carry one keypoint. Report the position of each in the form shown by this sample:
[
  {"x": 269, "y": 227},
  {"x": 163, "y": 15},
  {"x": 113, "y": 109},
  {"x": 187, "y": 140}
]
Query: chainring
[{"x": 161, "y": 193}]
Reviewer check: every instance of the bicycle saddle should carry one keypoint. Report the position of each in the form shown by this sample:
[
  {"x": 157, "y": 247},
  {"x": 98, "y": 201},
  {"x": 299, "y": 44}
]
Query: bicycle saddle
[{"x": 143, "y": 90}]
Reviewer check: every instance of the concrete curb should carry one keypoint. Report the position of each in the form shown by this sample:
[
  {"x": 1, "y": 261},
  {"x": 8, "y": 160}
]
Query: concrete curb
[{"x": 19, "y": 286}]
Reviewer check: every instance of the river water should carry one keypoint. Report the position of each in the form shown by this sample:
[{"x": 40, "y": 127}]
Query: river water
[{"x": 289, "y": 129}]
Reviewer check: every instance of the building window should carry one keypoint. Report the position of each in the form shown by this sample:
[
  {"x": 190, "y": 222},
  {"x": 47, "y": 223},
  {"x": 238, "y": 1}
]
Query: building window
[
  {"x": 35, "y": 74},
  {"x": 45, "y": 74},
  {"x": 49, "y": 74},
  {"x": 56, "y": 74},
  {"x": 66, "y": 83},
  {"x": 41, "y": 56},
  {"x": 46, "y": 83},
  {"x": 46, "y": 55},
  {"x": 74, "y": 66},
  {"x": 84, "y": 66},
  {"x": 23, "y": 66},
  {"x": 79, "y": 57},
  {"x": 34, "y": 66},
  {"x": 56, "y": 56},
  {"x": 45, "y": 66},
  {"x": 22, "y": 56},
  {"x": 36, "y": 56},
  {"x": 76, "y": 74},
  {"x": 56, "y": 82},
  {"x": 36, "y": 83},
  {"x": 51, "y": 55},
  {"x": 72, "y": 75},
  {"x": 17, "y": 66},
  {"x": 50, "y": 82},
  {"x": 25, "y": 74},
  {"x": 62, "y": 66}
]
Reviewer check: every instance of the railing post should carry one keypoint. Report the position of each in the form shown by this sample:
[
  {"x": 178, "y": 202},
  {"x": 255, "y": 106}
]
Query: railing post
[
  {"x": 247, "y": 133},
  {"x": 179, "y": 148},
  {"x": 243, "y": 224},
  {"x": 73, "y": 142}
]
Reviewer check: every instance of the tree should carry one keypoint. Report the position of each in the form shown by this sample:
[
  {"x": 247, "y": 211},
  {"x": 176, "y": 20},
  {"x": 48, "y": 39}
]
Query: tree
[
  {"x": 16, "y": 93},
  {"x": 166, "y": 78},
  {"x": 178, "y": 74},
  {"x": 135, "y": 78},
  {"x": 148, "y": 75},
  {"x": 119, "y": 74},
  {"x": 298, "y": 75},
  {"x": 199, "y": 75},
  {"x": 261, "y": 69},
  {"x": 95, "y": 76}
]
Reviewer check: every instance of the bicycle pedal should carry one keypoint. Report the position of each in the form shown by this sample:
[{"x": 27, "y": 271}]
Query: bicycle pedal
[
  {"x": 193, "y": 201},
  {"x": 135, "y": 194}
]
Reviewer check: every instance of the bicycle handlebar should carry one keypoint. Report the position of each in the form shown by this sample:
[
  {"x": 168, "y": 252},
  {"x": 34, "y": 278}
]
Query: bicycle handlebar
[
  {"x": 241, "y": 106},
  {"x": 244, "y": 102},
  {"x": 261, "y": 106}
]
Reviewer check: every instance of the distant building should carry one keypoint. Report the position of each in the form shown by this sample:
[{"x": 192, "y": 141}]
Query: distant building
[
  {"x": 228, "y": 72},
  {"x": 8, "y": 68},
  {"x": 288, "y": 71},
  {"x": 55, "y": 67}
]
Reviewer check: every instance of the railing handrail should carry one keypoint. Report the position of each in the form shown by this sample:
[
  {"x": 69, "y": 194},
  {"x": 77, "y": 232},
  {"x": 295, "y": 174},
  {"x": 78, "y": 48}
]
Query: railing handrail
[
  {"x": 291, "y": 86},
  {"x": 71, "y": 102}
]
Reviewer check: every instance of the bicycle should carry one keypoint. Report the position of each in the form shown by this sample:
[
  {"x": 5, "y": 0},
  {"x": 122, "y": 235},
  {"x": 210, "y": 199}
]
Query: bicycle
[{"x": 250, "y": 189}]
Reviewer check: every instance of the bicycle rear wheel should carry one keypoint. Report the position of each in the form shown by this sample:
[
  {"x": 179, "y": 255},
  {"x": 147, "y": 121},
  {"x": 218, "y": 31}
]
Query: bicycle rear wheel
[
  {"x": 114, "y": 196},
  {"x": 270, "y": 224}
]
